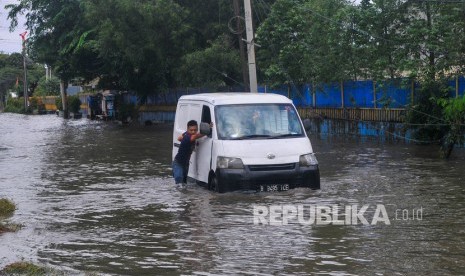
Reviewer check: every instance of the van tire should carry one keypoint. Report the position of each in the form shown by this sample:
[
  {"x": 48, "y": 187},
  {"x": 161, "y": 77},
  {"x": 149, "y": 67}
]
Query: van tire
[{"x": 213, "y": 183}]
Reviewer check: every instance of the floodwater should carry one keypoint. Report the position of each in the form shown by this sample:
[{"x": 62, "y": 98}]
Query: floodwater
[{"x": 98, "y": 197}]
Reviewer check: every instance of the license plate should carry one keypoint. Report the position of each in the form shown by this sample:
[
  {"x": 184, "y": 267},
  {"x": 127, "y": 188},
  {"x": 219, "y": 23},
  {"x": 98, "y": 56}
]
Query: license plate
[{"x": 273, "y": 187}]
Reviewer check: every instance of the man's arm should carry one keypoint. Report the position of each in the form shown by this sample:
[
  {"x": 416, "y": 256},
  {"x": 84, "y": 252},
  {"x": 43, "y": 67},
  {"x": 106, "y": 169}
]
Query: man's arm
[{"x": 198, "y": 135}]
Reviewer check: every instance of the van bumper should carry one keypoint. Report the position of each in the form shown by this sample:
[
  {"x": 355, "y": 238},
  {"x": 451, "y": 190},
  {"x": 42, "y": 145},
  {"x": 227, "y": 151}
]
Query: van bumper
[{"x": 250, "y": 178}]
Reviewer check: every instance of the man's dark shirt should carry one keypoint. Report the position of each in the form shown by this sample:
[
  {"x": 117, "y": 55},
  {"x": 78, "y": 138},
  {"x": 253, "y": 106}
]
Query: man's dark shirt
[{"x": 185, "y": 150}]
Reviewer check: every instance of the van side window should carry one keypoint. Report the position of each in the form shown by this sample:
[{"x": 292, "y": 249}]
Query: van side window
[{"x": 206, "y": 116}]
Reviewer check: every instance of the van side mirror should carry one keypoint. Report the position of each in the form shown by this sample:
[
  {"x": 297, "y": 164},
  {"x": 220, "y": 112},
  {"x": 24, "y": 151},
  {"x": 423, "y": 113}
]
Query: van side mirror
[
  {"x": 307, "y": 124},
  {"x": 205, "y": 129}
]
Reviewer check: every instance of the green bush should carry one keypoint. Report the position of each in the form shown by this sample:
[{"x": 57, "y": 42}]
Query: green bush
[
  {"x": 23, "y": 268},
  {"x": 58, "y": 103},
  {"x": 7, "y": 208},
  {"x": 34, "y": 103},
  {"x": 50, "y": 87},
  {"x": 74, "y": 104},
  {"x": 15, "y": 105},
  {"x": 424, "y": 115}
]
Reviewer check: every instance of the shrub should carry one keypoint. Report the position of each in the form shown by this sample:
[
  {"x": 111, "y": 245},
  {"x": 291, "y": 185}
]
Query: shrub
[
  {"x": 74, "y": 104},
  {"x": 15, "y": 105},
  {"x": 7, "y": 208},
  {"x": 58, "y": 103},
  {"x": 23, "y": 268}
]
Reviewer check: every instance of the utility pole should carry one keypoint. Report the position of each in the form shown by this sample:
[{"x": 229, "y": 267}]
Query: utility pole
[
  {"x": 238, "y": 31},
  {"x": 23, "y": 36},
  {"x": 250, "y": 46}
]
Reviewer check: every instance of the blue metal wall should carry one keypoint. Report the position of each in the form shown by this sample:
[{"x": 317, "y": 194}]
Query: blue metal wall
[{"x": 351, "y": 94}]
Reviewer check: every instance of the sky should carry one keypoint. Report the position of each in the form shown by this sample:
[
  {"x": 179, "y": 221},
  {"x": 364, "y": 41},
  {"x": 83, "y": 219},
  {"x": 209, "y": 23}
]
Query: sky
[{"x": 9, "y": 42}]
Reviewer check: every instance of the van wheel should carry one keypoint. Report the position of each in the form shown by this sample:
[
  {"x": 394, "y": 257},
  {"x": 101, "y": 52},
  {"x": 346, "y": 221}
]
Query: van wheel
[{"x": 213, "y": 183}]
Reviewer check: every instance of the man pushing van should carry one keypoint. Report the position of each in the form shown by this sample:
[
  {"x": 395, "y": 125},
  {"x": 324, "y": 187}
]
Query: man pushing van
[
  {"x": 181, "y": 160},
  {"x": 259, "y": 143}
]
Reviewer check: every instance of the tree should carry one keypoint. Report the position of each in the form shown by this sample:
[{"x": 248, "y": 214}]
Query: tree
[
  {"x": 454, "y": 116},
  {"x": 48, "y": 87},
  {"x": 305, "y": 41},
  {"x": 432, "y": 38},
  {"x": 379, "y": 26},
  {"x": 216, "y": 66},
  {"x": 140, "y": 49},
  {"x": 56, "y": 29},
  {"x": 11, "y": 71}
]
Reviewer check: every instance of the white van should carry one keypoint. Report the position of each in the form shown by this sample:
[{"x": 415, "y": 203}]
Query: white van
[{"x": 258, "y": 142}]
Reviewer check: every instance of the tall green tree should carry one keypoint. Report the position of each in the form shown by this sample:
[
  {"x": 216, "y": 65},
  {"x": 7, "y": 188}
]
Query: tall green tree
[
  {"x": 379, "y": 23},
  {"x": 12, "y": 71},
  {"x": 432, "y": 36},
  {"x": 140, "y": 48},
  {"x": 56, "y": 29},
  {"x": 213, "y": 67},
  {"x": 305, "y": 41}
]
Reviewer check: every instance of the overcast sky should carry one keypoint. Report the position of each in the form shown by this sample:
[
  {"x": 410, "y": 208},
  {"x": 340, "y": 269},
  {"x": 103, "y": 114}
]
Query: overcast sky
[{"x": 9, "y": 42}]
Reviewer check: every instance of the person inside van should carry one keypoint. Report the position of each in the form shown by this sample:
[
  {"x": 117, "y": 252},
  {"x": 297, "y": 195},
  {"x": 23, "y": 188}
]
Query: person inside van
[{"x": 181, "y": 160}]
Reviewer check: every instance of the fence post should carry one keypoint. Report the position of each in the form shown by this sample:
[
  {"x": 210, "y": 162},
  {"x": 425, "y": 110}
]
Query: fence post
[
  {"x": 456, "y": 86},
  {"x": 374, "y": 95},
  {"x": 342, "y": 94},
  {"x": 314, "y": 94},
  {"x": 412, "y": 92}
]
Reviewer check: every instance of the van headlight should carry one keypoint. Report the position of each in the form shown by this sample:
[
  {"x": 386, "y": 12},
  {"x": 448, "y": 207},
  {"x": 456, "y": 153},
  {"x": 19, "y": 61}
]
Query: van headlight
[
  {"x": 229, "y": 163},
  {"x": 307, "y": 160}
]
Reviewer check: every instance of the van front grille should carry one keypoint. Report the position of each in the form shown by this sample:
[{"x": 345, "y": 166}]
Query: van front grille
[{"x": 274, "y": 167}]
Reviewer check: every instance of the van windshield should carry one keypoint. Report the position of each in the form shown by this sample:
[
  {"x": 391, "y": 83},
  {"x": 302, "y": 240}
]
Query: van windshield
[{"x": 257, "y": 121}]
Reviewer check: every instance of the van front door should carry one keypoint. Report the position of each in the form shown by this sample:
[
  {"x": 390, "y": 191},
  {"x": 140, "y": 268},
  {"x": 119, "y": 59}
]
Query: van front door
[{"x": 204, "y": 148}]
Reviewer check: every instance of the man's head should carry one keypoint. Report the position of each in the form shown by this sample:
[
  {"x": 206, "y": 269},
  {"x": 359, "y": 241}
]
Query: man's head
[{"x": 192, "y": 127}]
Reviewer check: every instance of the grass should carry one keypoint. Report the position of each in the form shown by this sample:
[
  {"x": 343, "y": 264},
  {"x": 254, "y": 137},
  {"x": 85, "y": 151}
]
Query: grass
[
  {"x": 7, "y": 208},
  {"x": 23, "y": 268},
  {"x": 29, "y": 269}
]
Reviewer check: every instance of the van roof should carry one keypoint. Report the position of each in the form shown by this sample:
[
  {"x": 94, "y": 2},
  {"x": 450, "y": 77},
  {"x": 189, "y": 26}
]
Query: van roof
[{"x": 236, "y": 98}]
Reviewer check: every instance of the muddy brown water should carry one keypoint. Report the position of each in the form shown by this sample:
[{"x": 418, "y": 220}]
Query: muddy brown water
[{"x": 98, "y": 197}]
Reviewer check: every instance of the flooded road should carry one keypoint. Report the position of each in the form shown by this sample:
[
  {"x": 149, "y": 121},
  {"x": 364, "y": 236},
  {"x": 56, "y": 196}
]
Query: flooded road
[{"x": 98, "y": 197}]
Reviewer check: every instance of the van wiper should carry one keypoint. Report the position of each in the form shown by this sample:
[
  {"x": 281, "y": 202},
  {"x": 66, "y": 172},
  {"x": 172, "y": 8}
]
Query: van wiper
[
  {"x": 252, "y": 136},
  {"x": 286, "y": 135}
]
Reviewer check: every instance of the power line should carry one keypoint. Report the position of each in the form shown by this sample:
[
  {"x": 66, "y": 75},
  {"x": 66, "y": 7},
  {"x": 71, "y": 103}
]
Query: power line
[{"x": 225, "y": 75}]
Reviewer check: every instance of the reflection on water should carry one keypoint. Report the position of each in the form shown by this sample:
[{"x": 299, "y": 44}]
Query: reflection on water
[{"x": 99, "y": 197}]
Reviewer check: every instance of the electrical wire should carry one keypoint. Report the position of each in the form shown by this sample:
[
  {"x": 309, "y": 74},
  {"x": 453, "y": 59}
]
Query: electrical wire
[{"x": 225, "y": 75}]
